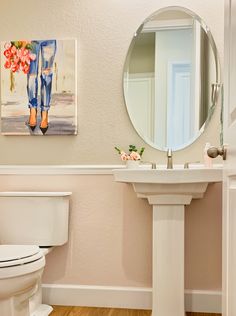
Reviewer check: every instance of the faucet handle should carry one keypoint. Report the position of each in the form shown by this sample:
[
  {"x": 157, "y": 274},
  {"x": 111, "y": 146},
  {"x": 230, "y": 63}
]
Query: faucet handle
[
  {"x": 153, "y": 164},
  {"x": 186, "y": 164}
]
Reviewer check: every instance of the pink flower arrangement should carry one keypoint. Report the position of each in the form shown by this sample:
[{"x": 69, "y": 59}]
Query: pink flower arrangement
[
  {"x": 132, "y": 155},
  {"x": 18, "y": 56}
]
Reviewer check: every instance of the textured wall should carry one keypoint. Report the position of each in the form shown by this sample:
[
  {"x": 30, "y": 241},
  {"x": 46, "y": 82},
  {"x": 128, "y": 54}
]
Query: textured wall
[
  {"x": 104, "y": 30},
  {"x": 107, "y": 233}
]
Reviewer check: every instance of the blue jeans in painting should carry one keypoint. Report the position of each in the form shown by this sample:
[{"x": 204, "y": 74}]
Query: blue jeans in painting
[{"x": 47, "y": 49}]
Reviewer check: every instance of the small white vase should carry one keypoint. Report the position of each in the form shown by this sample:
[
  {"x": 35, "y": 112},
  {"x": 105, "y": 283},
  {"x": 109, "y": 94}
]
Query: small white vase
[{"x": 132, "y": 164}]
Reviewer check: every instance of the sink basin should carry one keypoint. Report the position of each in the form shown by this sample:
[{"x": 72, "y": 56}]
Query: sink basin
[
  {"x": 191, "y": 182},
  {"x": 168, "y": 191},
  {"x": 178, "y": 175}
]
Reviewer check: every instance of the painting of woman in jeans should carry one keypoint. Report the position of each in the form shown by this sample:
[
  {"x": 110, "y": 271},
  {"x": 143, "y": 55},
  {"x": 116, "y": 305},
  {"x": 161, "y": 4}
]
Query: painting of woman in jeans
[
  {"x": 47, "y": 51},
  {"x": 42, "y": 79}
]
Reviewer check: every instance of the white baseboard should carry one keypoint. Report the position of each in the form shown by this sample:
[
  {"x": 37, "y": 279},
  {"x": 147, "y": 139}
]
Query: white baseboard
[
  {"x": 203, "y": 301},
  {"x": 124, "y": 297},
  {"x": 97, "y": 296}
]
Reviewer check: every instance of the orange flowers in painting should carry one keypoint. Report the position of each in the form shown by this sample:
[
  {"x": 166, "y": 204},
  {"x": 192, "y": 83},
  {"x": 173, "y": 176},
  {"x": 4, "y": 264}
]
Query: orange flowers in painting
[{"x": 18, "y": 56}]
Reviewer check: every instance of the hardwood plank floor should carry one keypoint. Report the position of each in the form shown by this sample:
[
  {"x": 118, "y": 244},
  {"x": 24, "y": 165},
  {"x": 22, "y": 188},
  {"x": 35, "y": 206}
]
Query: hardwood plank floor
[{"x": 94, "y": 311}]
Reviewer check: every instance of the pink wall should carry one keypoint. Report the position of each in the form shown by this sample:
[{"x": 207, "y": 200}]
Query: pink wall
[
  {"x": 203, "y": 238},
  {"x": 111, "y": 233}
]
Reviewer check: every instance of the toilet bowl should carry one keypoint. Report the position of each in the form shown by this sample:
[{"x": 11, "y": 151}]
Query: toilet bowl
[
  {"x": 28, "y": 219},
  {"x": 21, "y": 268}
]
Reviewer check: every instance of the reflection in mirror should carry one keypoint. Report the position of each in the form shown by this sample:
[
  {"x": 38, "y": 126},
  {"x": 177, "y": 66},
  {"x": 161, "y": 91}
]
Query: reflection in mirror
[{"x": 171, "y": 79}]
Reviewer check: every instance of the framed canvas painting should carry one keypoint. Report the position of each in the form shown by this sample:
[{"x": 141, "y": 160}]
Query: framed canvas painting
[{"x": 38, "y": 87}]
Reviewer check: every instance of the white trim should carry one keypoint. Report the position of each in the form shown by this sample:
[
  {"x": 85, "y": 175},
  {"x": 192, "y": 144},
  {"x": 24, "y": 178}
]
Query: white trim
[
  {"x": 139, "y": 75},
  {"x": 97, "y": 296},
  {"x": 159, "y": 25},
  {"x": 124, "y": 297},
  {"x": 203, "y": 301},
  {"x": 33, "y": 193},
  {"x": 58, "y": 169}
]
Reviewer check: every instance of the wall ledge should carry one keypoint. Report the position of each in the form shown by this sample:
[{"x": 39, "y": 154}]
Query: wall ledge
[
  {"x": 57, "y": 169},
  {"x": 124, "y": 297}
]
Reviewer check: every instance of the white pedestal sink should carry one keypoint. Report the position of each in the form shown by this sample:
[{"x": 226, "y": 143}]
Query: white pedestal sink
[{"x": 168, "y": 191}]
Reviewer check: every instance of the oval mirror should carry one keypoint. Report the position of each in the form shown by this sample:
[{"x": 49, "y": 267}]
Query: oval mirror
[{"x": 171, "y": 78}]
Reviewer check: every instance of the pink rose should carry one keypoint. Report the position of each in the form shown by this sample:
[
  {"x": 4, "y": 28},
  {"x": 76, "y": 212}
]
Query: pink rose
[
  {"x": 26, "y": 69},
  {"x": 13, "y": 50},
  {"x": 7, "y": 45},
  {"x": 27, "y": 59},
  {"x": 134, "y": 156},
  {"x": 23, "y": 59},
  {"x": 22, "y": 64},
  {"x": 19, "y": 52},
  {"x": 16, "y": 59},
  {"x": 15, "y": 67},
  {"x": 7, "y": 64},
  {"x": 124, "y": 156},
  {"x": 7, "y": 53},
  {"x": 25, "y": 51}
]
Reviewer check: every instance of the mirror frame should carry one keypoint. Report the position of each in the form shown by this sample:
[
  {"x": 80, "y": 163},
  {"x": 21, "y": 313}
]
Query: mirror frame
[{"x": 218, "y": 83}]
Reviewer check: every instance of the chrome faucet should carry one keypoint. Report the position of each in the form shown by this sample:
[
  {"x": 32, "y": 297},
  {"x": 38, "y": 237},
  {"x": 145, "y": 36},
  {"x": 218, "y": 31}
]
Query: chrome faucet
[{"x": 169, "y": 159}]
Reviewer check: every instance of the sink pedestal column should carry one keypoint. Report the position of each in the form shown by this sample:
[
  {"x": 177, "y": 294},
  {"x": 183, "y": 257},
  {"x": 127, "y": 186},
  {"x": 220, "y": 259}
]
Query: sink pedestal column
[{"x": 168, "y": 254}]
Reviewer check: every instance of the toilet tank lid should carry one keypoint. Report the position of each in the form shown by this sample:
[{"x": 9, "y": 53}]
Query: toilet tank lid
[{"x": 36, "y": 193}]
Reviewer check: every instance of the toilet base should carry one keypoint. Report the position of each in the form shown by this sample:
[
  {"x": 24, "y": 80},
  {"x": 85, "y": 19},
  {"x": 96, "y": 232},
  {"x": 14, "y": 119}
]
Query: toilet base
[{"x": 42, "y": 310}]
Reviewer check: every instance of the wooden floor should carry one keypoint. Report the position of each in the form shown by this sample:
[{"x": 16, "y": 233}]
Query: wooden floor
[{"x": 93, "y": 311}]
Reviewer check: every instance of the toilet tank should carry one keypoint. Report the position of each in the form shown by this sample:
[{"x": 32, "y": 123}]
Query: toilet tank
[{"x": 34, "y": 218}]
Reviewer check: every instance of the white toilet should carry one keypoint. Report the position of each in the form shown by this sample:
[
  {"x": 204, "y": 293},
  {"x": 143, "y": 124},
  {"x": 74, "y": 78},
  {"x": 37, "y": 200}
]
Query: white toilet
[{"x": 31, "y": 223}]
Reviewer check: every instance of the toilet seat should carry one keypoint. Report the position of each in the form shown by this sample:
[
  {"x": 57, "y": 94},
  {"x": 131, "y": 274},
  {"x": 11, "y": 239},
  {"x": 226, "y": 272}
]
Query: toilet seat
[
  {"x": 11, "y": 255},
  {"x": 18, "y": 260}
]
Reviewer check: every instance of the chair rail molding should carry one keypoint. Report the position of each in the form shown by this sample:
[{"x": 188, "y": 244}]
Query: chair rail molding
[{"x": 57, "y": 169}]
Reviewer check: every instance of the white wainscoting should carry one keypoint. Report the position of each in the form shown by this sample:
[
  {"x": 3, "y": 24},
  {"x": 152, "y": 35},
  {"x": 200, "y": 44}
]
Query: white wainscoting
[{"x": 124, "y": 297}]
